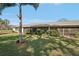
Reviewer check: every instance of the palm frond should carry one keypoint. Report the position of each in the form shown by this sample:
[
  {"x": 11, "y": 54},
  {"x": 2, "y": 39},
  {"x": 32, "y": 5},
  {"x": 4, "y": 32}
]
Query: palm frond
[
  {"x": 35, "y": 5},
  {"x": 5, "y": 5}
]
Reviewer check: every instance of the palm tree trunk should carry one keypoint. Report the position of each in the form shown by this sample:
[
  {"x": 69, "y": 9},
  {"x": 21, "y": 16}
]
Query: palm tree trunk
[{"x": 20, "y": 23}]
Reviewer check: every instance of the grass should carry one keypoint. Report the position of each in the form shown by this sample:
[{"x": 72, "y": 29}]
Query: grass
[
  {"x": 38, "y": 46},
  {"x": 5, "y": 32}
]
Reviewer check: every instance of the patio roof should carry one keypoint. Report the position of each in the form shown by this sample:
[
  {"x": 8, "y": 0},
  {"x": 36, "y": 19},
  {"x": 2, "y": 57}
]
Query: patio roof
[{"x": 54, "y": 24}]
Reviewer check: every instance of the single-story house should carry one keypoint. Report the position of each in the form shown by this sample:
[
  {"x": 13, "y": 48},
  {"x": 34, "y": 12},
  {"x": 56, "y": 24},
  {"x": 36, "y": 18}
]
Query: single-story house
[{"x": 65, "y": 28}]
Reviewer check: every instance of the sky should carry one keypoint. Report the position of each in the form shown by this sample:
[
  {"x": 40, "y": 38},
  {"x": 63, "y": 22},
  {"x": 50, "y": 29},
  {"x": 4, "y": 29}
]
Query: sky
[{"x": 46, "y": 12}]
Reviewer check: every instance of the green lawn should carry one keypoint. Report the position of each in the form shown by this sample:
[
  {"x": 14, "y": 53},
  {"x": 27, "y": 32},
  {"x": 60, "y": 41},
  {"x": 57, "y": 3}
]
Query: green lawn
[
  {"x": 38, "y": 46},
  {"x": 5, "y": 32}
]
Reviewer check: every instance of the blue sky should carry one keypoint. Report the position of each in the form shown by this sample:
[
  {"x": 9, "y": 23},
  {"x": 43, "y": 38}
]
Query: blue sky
[{"x": 46, "y": 12}]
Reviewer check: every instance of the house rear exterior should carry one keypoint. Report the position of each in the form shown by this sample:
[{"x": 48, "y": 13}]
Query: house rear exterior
[{"x": 65, "y": 28}]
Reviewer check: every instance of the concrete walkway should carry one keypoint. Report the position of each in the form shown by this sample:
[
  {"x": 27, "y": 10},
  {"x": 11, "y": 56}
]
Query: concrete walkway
[
  {"x": 71, "y": 37},
  {"x": 11, "y": 34},
  {"x": 7, "y": 41}
]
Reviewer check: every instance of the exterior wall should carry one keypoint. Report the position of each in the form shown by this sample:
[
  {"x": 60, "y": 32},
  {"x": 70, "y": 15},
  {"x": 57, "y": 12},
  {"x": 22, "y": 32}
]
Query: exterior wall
[
  {"x": 26, "y": 30},
  {"x": 67, "y": 31},
  {"x": 17, "y": 30},
  {"x": 63, "y": 31}
]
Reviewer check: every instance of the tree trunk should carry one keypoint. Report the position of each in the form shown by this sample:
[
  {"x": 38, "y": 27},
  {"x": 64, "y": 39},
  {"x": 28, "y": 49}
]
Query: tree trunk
[{"x": 20, "y": 23}]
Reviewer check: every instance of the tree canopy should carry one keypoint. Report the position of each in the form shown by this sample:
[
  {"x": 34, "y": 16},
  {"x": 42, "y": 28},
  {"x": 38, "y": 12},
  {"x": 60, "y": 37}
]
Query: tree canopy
[{"x": 5, "y": 5}]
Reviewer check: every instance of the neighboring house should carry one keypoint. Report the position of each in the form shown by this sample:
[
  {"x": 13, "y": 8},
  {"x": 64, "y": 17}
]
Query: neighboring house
[
  {"x": 3, "y": 27},
  {"x": 65, "y": 28}
]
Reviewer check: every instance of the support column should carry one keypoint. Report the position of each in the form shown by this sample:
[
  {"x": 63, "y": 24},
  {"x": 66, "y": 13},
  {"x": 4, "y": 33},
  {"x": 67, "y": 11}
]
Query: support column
[
  {"x": 63, "y": 31},
  {"x": 69, "y": 31},
  {"x": 22, "y": 30},
  {"x": 59, "y": 31},
  {"x": 49, "y": 28}
]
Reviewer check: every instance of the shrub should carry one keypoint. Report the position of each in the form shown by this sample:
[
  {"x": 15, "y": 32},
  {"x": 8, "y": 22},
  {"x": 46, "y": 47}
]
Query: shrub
[
  {"x": 53, "y": 32},
  {"x": 39, "y": 31},
  {"x": 76, "y": 34}
]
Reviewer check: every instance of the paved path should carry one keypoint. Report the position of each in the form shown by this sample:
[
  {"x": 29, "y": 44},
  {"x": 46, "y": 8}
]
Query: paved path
[
  {"x": 12, "y": 34},
  {"x": 7, "y": 41},
  {"x": 71, "y": 37}
]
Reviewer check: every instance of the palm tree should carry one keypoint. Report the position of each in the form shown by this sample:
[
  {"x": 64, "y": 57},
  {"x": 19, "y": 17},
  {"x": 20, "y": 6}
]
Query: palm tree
[
  {"x": 5, "y": 5},
  {"x": 35, "y": 5},
  {"x": 7, "y": 23}
]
